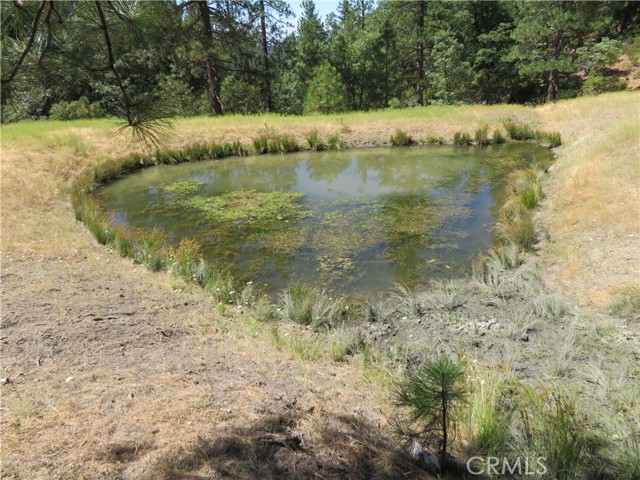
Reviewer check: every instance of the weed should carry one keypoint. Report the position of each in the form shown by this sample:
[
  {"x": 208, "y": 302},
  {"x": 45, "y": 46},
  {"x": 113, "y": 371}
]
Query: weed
[
  {"x": 315, "y": 142},
  {"x": 401, "y": 138},
  {"x": 301, "y": 347},
  {"x": 261, "y": 144},
  {"x": 326, "y": 310},
  {"x": 482, "y": 135},
  {"x": 460, "y": 138},
  {"x": 548, "y": 306},
  {"x": 222, "y": 290},
  {"x": 123, "y": 243},
  {"x": 186, "y": 258},
  {"x": 334, "y": 142},
  {"x": 519, "y": 131},
  {"x": 519, "y": 231}
]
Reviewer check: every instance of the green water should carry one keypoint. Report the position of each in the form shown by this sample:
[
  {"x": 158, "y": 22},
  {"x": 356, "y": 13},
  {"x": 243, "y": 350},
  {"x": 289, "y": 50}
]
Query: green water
[{"x": 352, "y": 221}]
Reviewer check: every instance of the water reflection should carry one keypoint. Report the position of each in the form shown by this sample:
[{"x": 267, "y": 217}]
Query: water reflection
[{"x": 378, "y": 216}]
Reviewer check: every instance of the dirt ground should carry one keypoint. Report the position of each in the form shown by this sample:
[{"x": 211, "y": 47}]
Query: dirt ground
[{"x": 113, "y": 375}]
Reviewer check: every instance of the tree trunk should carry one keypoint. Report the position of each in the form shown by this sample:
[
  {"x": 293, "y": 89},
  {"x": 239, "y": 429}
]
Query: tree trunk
[
  {"x": 210, "y": 60},
  {"x": 445, "y": 439},
  {"x": 420, "y": 51},
  {"x": 552, "y": 91},
  {"x": 265, "y": 56}
]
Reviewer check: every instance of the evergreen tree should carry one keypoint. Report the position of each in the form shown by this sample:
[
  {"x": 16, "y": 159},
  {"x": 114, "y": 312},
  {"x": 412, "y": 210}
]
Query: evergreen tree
[{"x": 326, "y": 91}]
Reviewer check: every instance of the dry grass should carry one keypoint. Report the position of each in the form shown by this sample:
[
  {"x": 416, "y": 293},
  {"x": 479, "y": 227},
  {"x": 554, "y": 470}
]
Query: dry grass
[{"x": 593, "y": 211}]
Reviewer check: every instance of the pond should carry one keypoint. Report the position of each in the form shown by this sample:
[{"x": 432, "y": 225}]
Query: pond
[{"x": 355, "y": 221}]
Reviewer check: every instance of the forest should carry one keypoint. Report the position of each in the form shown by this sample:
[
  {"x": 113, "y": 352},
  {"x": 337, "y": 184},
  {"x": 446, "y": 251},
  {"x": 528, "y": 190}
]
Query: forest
[{"x": 143, "y": 61}]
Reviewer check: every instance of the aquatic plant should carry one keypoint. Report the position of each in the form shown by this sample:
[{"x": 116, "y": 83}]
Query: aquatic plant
[{"x": 249, "y": 206}]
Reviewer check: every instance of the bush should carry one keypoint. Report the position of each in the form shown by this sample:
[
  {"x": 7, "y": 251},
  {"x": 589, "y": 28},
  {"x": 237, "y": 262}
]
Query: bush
[
  {"x": 395, "y": 103},
  {"x": 76, "y": 110},
  {"x": 519, "y": 131},
  {"x": 401, "y": 138},
  {"x": 460, "y": 138}
]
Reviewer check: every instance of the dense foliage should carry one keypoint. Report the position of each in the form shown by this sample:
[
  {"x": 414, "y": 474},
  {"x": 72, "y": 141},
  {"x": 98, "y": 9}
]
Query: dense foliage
[{"x": 142, "y": 60}]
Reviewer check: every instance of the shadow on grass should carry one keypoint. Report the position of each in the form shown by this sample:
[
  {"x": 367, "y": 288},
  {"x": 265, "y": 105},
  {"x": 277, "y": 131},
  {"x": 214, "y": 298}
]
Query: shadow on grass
[{"x": 339, "y": 447}]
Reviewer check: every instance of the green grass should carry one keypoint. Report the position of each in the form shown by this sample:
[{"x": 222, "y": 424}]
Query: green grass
[
  {"x": 334, "y": 142},
  {"x": 315, "y": 142},
  {"x": 482, "y": 136}
]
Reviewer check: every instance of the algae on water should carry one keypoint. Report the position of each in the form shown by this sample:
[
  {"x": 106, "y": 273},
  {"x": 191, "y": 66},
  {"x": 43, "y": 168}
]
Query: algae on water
[
  {"x": 250, "y": 206},
  {"x": 184, "y": 187}
]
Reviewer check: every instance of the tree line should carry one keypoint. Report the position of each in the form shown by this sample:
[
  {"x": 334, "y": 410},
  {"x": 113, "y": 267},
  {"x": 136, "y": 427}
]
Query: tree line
[{"x": 146, "y": 60}]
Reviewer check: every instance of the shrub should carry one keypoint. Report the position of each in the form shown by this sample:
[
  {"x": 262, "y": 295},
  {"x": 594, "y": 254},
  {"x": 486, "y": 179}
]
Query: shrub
[
  {"x": 334, "y": 142},
  {"x": 498, "y": 138},
  {"x": 460, "y": 138},
  {"x": 76, "y": 110},
  {"x": 315, "y": 142},
  {"x": 401, "y": 138},
  {"x": 395, "y": 103},
  {"x": 482, "y": 136},
  {"x": 519, "y": 131}
]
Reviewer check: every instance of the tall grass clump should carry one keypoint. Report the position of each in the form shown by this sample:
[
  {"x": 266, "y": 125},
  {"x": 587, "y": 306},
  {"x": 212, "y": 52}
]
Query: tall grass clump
[
  {"x": 552, "y": 138},
  {"x": 401, "y": 138},
  {"x": 498, "y": 137},
  {"x": 525, "y": 186},
  {"x": 462, "y": 138},
  {"x": 315, "y": 142},
  {"x": 550, "y": 426},
  {"x": 488, "y": 414},
  {"x": 405, "y": 301},
  {"x": 306, "y": 305},
  {"x": 519, "y": 230},
  {"x": 270, "y": 142},
  {"x": 434, "y": 141},
  {"x": 482, "y": 136},
  {"x": 334, "y": 142},
  {"x": 519, "y": 131},
  {"x": 152, "y": 248},
  {"x": 446, "y": 295}
]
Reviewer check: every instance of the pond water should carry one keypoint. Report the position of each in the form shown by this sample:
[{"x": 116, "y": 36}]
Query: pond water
[{"x": 358, "y": 220}]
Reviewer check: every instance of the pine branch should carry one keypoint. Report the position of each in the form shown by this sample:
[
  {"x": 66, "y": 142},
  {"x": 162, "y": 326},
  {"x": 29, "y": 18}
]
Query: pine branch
[{"x": 34, "y": 31}]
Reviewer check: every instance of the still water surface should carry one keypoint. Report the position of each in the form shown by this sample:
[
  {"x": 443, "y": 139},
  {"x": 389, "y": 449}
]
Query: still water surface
[{"x": 359, "y": 221}]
